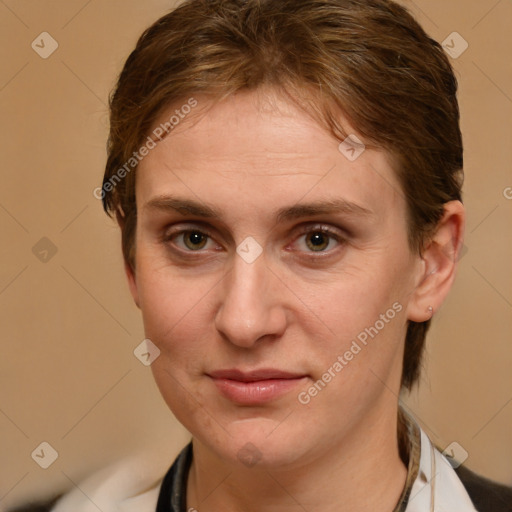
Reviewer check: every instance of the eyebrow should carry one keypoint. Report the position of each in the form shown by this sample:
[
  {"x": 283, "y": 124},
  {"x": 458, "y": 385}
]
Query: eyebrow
[{"x": 195, "y": 208}]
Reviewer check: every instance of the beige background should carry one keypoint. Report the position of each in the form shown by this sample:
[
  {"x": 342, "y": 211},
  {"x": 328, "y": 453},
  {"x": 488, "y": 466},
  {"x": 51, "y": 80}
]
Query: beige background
[{"x": 69, "y": 327}]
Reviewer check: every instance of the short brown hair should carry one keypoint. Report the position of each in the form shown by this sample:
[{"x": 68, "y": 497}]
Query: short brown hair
[{"x": 366, "y": 58}]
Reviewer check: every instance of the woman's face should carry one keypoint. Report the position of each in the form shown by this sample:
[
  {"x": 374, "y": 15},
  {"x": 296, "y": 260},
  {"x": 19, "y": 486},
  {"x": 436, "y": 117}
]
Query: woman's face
[{"x": 267, "y": 260}]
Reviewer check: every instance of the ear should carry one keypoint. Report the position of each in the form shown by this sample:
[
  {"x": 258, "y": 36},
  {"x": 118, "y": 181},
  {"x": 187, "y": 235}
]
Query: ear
[
  {"x": 132, "y": 282},
  {"x": 438, "y": 264}
]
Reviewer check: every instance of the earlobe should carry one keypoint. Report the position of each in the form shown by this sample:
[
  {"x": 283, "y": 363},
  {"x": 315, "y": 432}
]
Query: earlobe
[
  {"x": 132, "y": 282},
  {"x": 439, "y": 264}
]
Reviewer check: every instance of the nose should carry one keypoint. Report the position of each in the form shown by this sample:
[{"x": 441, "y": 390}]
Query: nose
[{"x": 251, "y": 307}]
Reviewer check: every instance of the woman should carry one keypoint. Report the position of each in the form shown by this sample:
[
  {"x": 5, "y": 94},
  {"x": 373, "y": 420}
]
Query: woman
[{"x": 287, "y": 178}]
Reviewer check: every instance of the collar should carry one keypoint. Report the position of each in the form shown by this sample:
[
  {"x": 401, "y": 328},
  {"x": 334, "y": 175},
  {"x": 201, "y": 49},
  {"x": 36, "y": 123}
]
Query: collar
[
  {"x": 134, "y": 484},
  {"x": 431, "y": 484}
]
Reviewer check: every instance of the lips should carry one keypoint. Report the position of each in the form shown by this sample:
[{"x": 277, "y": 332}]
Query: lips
[
  {"x": 254, "y": 375},
  {"x": 255, "y": 387}
]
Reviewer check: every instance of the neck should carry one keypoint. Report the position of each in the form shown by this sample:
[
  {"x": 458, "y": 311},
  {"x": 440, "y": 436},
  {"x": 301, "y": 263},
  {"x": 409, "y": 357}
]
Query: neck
[{"x": 364, "y": 472}]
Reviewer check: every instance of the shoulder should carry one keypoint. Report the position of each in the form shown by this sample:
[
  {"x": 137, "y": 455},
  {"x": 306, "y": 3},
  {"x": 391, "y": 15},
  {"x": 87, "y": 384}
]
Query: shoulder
[
  {"x": 487, "y": 495},
  {"x": 131, "y": 484},
  {"x": 42, "y": 506}
]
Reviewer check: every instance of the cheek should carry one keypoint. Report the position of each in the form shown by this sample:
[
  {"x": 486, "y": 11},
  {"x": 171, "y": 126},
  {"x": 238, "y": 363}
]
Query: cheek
[
  {"x": 358, "y": 317},
  {"x": 175, "y": 315},
  {"x": 174, "y": 305},
  {"x": 347, "y": 302},
  {"x": 358, "y": 364}
]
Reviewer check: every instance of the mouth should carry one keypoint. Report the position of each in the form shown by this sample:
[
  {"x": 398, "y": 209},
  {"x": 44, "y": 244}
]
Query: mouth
[{"x": 255, "y": 387}]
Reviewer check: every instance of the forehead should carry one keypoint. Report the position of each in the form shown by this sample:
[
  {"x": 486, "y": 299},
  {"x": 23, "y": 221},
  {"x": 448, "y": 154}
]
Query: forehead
[{"x": 264, "y": 146}]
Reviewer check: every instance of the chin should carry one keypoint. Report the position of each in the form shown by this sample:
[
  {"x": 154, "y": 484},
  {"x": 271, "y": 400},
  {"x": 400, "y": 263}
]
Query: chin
[{"x": 259, "y": 443}]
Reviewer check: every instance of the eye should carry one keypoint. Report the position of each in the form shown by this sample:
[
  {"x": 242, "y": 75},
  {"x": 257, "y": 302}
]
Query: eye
[
  {"x": 190, "y": 240},
  {"x": 318, "y": 239}
]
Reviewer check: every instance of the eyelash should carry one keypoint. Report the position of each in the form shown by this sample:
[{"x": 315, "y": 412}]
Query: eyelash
[{"x": 332, "y": 234}]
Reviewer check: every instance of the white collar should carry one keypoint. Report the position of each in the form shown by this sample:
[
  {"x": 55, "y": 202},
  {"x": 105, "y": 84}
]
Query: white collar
[{"x": 437, "y": 487}]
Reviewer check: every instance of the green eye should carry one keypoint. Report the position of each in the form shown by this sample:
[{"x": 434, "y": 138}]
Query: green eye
[
  {"x": 317, "y": 240},
  {"x": 194, "y": 240}
]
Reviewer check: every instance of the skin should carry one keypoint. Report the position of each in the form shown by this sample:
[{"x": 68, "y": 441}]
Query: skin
[{"x": 297, "y": 307}]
